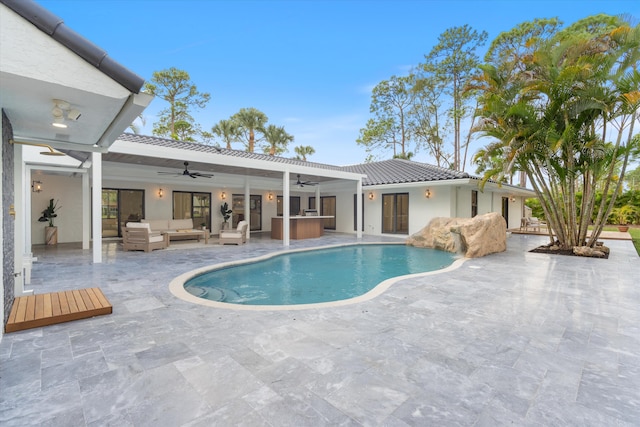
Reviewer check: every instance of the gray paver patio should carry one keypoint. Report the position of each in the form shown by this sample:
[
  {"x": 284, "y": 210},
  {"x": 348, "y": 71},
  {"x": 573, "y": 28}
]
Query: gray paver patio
[{"x": 510, "y": 339}]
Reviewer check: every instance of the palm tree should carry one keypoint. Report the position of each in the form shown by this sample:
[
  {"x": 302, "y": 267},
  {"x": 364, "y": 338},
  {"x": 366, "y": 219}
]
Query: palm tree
[
  {"x": 228, "y": 131},
  {"x": 134, "y": 126},
  {"x": 302, "y": 151},
  {"x": 545, "y": 117},
  {"x": 250, "y": 120},
  {"x": 277, "y": 140}
]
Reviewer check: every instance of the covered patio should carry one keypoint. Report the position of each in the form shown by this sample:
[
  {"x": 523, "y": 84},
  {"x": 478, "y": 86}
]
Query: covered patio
[{"x": 512, "y": 338}]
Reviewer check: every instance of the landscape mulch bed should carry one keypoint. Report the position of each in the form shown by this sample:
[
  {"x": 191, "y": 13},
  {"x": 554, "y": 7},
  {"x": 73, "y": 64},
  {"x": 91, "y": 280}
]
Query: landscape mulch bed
[{"x": 546, "y": 249}]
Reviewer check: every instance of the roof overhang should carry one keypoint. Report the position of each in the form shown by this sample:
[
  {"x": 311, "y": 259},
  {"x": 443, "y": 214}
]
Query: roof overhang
[
  {"x": 146, "y": 161},
  {"x": 460, "y": 182},
  {"x": 36, "y": 69}
]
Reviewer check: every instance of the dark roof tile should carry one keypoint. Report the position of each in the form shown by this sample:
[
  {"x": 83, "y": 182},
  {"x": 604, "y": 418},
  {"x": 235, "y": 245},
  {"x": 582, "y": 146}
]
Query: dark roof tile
[{"x": 398, "y": 171}]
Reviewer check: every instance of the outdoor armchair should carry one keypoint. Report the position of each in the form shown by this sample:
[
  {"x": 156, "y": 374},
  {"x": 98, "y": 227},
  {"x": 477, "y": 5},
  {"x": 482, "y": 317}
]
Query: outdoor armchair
[
  {"x": 137, "y": 236},
  {"x": 237, "y": 236}
]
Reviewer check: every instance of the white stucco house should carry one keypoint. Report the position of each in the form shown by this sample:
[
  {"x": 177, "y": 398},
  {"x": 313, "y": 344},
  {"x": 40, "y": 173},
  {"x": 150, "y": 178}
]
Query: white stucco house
[
  {"x": 61, "y": 93},
  {"x": 142, "y": 177}
]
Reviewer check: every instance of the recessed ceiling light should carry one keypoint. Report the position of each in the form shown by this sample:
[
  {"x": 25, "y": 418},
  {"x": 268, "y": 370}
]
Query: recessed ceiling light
[{"x": 59, "y": 125}]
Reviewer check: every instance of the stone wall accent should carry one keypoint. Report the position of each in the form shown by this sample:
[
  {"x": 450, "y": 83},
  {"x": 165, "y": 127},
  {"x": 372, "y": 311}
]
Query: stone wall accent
[
  {"x": 8, "y": 222},
  {"x": 473, "y": 237}
]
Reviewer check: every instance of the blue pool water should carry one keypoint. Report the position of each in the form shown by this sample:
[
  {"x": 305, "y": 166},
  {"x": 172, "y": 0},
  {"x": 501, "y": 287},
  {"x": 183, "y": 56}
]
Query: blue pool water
[{"x": 315, "y": 276}]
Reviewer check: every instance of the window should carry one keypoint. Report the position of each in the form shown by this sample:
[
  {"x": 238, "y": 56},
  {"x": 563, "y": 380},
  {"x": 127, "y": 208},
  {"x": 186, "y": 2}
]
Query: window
[
  {"x": 355, "y": 212},
  {"x": 119, "y": 207},
  {"x": 474, "y": 203},
  {"x": 196, "y": 206},
  {"x": 395, "y": 213},
  {"x": 255, "y": 211},
  {"x": 294, "y": 205}
]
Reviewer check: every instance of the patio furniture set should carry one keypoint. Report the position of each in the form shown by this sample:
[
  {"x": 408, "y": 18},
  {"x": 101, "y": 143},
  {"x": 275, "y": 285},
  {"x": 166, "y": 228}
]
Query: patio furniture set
[{"x": 148, "y": 235}]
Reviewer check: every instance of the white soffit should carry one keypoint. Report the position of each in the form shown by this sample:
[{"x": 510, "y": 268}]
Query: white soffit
[{"x": 35, "y": 69}]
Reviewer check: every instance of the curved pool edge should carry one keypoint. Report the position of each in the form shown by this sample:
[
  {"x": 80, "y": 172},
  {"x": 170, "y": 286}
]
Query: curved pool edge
[{"x": 176, "y": 286}]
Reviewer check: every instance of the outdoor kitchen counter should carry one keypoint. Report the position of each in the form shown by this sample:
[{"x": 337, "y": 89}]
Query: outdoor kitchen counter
[{"x": 300, "y": 227}]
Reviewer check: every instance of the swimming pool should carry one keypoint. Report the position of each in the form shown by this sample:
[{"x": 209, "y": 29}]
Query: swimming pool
[{"x": 309, "y": 277}]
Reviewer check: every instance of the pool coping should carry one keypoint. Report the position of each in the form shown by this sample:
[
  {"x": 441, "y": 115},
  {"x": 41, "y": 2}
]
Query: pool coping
[{"x": 176, "y": 286}]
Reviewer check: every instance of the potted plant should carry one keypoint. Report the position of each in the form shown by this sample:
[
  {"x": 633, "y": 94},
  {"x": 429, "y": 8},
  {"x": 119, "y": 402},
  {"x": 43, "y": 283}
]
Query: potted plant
[
  {"x": 226, "y": 214},
  {"x": 48, "y": 215},
  {"x": 626, "y": 215}
]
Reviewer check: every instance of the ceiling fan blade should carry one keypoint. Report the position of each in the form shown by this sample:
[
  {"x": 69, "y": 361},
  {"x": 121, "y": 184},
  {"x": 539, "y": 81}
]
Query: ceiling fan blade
[{"x": 186, "y": 172}]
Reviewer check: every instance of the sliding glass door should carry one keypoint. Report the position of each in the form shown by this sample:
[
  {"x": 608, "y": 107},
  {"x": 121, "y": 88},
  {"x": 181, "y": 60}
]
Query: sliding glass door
[
  {"x": 395, "y": 213},
  {"x": 196, "y": 206},
  {"x": 119, "y": 207},
  {"x": 255, "y": 211}
]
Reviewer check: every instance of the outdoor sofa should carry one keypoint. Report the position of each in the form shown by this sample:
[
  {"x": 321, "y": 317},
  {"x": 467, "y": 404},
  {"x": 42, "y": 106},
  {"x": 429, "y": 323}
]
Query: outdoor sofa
[{"x": 177, "y": 229}]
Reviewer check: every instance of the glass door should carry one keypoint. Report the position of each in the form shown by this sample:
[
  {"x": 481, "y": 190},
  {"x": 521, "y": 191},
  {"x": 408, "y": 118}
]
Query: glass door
[
  {"x": 255, "y": 211},
  {"x": 110, "y": 213},
  {"x": 119, "y": 207},
  {"x": 328, "y": 208},
  {"x": 395, "y": 213},
  {"x": 195, "y": 206}
]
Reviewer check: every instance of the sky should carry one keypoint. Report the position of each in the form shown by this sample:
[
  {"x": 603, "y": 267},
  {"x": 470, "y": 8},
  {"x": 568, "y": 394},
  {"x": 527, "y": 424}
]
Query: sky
[{"x": 309, "y": 65}]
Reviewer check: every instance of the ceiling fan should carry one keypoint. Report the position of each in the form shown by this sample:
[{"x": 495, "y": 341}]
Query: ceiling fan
[
  {"x": 303, "y": 183},
  {"x": 186, "y": 172}
]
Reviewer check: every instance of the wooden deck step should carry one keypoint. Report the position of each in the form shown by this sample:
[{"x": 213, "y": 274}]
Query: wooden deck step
[{"x": 34, "y": 311}]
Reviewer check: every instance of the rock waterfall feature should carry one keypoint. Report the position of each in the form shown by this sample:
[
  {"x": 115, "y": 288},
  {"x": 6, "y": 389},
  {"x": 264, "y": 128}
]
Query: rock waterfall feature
[{"x": 473, "y": 237}]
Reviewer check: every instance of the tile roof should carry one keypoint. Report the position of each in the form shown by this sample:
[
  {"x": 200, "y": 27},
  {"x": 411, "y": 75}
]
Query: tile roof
[
  {"x": 398, "y": 171},
  {"x": 56, "y": 29},
  {"x": 204, "y": 148},
  {"x": 395, "y": 171}
]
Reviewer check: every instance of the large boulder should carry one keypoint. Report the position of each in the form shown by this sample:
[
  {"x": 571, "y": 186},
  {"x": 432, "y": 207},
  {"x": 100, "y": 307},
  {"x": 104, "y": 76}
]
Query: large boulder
[{"x": 474, "y": 237}]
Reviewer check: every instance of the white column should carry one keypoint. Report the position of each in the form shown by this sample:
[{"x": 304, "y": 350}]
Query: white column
[
  {"x": 20, "y": 247},
  {"x": 359, "y": 209},
  {"x": 318, "y": 199},
  {"x": 285, "y": 208},
  {"x": 247, "y": 207},
  {"x": 96, "y": 205},
  {"x": 86, "y": 211}
]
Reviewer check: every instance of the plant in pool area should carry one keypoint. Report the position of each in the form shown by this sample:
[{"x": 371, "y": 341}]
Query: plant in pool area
[{"x": 49, "y": 213}]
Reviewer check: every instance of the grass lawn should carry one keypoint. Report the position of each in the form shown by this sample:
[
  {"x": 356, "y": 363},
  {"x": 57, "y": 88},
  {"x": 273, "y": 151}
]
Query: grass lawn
[
  {"x": 635, "y": 237},
  {"x": 634, "y": 231}
]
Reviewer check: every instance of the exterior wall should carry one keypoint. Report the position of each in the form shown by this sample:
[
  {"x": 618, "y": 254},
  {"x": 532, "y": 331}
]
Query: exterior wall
[
  {"x": 162, "y": 208},
  {"x": 68, "y": 192},
  {"x": 7, "y": 230},
  {"x": 421, "y": 209},
  {"x": 445, "y": 201}
]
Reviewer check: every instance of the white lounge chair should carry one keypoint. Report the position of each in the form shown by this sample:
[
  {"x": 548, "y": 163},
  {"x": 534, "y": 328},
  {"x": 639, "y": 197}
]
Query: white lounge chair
[{"x": 235, "y": 237}]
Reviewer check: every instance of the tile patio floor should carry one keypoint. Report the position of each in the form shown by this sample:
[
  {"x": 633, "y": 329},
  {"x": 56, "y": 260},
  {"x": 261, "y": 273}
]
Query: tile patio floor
[{"x": 510, "y": 339}]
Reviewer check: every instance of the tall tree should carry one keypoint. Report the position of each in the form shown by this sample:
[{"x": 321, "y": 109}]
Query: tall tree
[
  {"x": 429, "y": 123},
  {"x": 453, "y": 62},
  {"x": 277, "y": 140},
  {"x": 228, "y": 131},
  {"x": 175, "y": 87},
  {"x": 302, "y": 151},
  {"x": 250, "y": 120},
  {"x": 391, "y": 102},
  {"x": 550, "y": 117}
]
